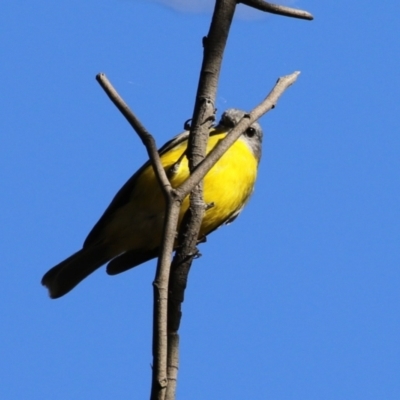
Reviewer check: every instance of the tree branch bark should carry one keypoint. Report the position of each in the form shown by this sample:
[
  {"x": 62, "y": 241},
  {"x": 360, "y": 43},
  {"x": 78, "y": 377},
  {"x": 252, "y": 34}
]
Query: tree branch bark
[{"x": 204, "y": 112}]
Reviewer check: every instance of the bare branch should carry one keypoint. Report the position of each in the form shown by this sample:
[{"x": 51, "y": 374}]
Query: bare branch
[
  {"x": 183, "y": 258},
  {"x": 160, "y": 317},
  {"x": 277, "y": 9},
  {"x": 161, "y": 281},
  {"x": 203, "y": 114},
  {"x": 218, "y": 151},
  {"x": 204, "y": 110},
  {"x": 142, "y": 132},
  {"x": 173, "y": 364}
]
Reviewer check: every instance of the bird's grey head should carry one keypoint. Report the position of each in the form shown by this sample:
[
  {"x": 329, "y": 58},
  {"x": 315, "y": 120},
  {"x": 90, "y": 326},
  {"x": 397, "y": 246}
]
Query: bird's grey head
[{"x": 253, "y": 134}]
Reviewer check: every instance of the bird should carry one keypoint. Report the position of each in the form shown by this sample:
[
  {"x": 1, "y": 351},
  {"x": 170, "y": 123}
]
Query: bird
[{"x": 129, "y": 231}]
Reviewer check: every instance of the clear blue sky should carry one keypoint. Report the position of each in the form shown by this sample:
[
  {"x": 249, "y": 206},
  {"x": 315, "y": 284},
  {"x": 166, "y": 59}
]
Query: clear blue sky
[{"x": 300, "y": 297}]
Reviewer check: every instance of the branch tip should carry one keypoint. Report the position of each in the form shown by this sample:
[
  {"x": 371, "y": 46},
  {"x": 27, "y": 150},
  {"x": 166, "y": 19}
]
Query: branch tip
[{"x": 278, "y": 9}]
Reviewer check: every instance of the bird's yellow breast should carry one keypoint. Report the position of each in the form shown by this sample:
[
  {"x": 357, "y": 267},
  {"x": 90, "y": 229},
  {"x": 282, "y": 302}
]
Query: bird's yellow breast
[{"x": 227, "y": 187}]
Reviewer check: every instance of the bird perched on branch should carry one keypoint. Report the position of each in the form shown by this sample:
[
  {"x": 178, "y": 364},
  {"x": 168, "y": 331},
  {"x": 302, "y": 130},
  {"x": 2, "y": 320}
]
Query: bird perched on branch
[{"x": 129, "y": 232}]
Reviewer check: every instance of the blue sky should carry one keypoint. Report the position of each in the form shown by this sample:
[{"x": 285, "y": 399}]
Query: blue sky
[{"x": 298, "y": 298}]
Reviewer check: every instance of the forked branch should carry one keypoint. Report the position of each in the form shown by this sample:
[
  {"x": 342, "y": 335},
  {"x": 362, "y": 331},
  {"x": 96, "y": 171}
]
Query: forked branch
[{"x": 170, "y": 284}]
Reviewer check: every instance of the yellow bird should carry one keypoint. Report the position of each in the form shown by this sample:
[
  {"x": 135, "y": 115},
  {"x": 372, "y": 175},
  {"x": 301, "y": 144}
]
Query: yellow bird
[{"x": 129, "y": 231}]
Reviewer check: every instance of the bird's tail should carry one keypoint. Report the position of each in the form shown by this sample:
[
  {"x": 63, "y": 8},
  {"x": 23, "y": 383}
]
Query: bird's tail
[{"x": 65, "y": 276}]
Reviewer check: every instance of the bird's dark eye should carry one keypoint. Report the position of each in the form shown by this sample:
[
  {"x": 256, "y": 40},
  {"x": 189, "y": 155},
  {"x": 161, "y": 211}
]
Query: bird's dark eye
[{"x": 250, "y": 132}]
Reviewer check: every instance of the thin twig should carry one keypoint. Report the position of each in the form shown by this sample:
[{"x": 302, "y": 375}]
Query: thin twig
[
  {"x": 218, "y": 151},
  {"x": 277, "y": 9},
  {"x": 142, "y": 132}
]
